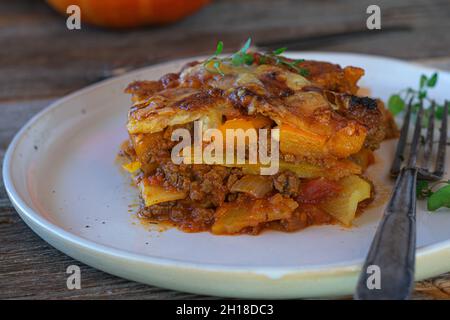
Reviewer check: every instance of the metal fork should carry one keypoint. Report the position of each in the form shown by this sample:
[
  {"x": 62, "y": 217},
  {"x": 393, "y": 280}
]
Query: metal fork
[{"x": 393, "y": 248}]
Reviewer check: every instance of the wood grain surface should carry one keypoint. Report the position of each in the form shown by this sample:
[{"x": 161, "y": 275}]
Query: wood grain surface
[{"x": 40, "y": 60}]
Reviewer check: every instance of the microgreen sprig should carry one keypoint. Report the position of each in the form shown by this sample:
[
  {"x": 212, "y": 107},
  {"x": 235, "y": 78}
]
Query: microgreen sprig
[
  {"x": 215, "y": 59},
  {"x": 397, "y": 102},
  {"x": 437, "y": 195},
  {"x": 293, "y": 64},
  {"x": 243, "y": 57}
]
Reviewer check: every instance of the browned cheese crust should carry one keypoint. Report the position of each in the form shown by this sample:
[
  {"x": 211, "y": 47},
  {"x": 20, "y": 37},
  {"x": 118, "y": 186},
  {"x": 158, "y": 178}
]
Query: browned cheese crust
[{"x": 329, "y": 129}]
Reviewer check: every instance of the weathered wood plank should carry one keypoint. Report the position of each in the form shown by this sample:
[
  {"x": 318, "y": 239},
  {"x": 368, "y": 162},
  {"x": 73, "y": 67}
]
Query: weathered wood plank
[
  {"x": 30, "y": 268},
  {"x": 41, "y": 60},
  {"x": 16, "y": 115}
]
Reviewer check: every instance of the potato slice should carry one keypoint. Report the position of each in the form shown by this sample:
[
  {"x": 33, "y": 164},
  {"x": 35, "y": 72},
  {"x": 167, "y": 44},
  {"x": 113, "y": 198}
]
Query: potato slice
[
  {"x": 233, "y": 217},
  {"x": 340, "y": 168},
  {"x": 153, "y": 193},
  {"x": 255, "y": 185},
  {"x": 132, "y": 166},
  {"x": 343, "y": 207},
  {"x": 364, "y": 158}
]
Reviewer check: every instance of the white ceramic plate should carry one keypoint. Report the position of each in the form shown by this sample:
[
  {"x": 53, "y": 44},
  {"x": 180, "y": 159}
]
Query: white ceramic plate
[{"x": 60, "y": 173}]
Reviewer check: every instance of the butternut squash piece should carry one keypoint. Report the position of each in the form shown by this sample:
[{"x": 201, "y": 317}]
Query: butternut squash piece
[
  {"x": 301, "y": 142},
  {"x": 343, "y": 143},
  {"x": 347, "y": 141},
  {"x": 246, "y": 123}
]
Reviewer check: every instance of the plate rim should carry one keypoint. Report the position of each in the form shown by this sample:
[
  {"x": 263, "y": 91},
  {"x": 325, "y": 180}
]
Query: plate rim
[{"x": 273, "y": 272}]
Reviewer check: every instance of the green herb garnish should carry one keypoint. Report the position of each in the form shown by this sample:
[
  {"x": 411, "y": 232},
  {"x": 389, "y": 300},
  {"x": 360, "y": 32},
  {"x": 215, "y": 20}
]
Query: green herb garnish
[
  {"x": 216, "y": 60},
  {"x": 396, "y": 104},
  {"x": 439, "y": 199},
  {"x": 437, "y": 195},
  {"x": 397, "y": 101},
  {"x": 243, "y": 57},
  {"x": 293, "y": 64},
  {"x": 422, "y": 189}
]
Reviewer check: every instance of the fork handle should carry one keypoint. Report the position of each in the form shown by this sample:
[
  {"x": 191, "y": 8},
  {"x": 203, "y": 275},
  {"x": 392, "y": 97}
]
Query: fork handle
[{"x": 392, "y": 252}]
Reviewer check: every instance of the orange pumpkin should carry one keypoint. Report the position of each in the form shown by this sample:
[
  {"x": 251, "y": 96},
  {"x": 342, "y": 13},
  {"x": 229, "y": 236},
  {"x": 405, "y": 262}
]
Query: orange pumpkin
[{"x": 130, "y": 13}]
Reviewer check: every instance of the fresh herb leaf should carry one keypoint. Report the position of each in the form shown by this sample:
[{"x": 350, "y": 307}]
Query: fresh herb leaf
[
  {"x": 248, "y": 59},
  {"x": 423, "y": 81},
  {"x": 431, "y": 83},
  {"x": 215, "y": 58},
  {"x": 422, "y": 189},
  {"x": 304, "y": 72},
  {"x": 293, "y": 64},
  {"x": 219, "y": 48},
  {"x": 435, "y": 199},
  {"x": 279, "y": 51},
  {"x": 439, "y": 113},
  {"x": 396, "y": 104},
  {"x": 415, "y": 107},
  {"x": 243, "y": 57},
  {"x": 246, "y": 46},
  {"x": 422, "y": 94},
  {"x": 439, "y": 199},
  {"x": 217, "y": 67},
  {"x": 262, "y": 59},
  {"x": 236, "y": 60}
]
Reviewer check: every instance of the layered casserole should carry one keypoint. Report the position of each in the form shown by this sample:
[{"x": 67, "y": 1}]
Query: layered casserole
[{"x": 326, "y": 135}]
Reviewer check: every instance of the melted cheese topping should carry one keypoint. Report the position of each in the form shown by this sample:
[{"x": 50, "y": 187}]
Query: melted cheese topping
[{"x": 199, "y": 93}]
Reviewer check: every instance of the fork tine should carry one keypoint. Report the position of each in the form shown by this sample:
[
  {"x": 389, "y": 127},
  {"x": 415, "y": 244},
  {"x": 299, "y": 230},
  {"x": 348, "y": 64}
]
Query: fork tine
[
  {"x": 416, "y": 138},
  {"x": 440, "y": 159},
  {"x": 398, "y": 158},
  {"x": 429, "y": 140}
]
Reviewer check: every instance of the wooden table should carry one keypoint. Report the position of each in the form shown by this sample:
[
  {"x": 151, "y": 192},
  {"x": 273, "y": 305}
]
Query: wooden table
[{"x": 40, "y": 60}]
